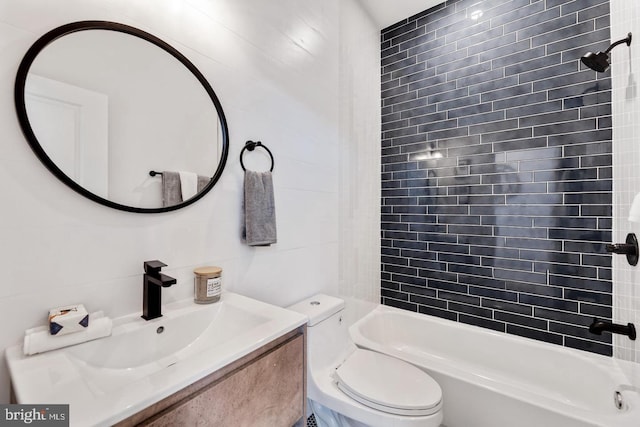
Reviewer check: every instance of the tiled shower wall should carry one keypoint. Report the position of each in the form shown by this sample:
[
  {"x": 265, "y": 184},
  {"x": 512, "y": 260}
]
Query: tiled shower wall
[
  {"x": 625, "y": 17},
  {"x": 496, "y": 167}
]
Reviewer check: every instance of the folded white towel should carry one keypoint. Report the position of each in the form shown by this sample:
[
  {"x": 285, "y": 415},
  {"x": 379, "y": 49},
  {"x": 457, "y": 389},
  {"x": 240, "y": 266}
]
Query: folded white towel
[
  {"x": 188, "y": 184},
  {"x": 39, "y": 340}
]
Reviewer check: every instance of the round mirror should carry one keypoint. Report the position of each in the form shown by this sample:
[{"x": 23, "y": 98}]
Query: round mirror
[{"x": 121, "y": 117}]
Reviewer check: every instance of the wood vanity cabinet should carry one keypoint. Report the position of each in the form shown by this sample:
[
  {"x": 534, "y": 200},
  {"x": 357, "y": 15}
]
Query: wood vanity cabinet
[{"x": 265, "y": 388}]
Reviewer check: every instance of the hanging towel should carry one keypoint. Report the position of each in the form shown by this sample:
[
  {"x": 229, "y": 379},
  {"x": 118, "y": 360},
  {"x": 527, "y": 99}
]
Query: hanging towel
[
  {"x": 171, "y": 191},
  {"x": 188, "y": 184},
  {"x": 203, "y": 181},
  {"x": 259, "y": 209},
  {"x": 172, "y": 188}
]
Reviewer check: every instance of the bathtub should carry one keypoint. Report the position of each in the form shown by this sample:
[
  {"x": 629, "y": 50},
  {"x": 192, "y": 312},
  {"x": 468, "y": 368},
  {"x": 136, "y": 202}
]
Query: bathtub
[{"x": 492, "y": 379}]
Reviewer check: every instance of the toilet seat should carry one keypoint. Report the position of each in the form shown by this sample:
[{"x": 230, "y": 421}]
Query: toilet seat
[{"x": 388, "y": 384}]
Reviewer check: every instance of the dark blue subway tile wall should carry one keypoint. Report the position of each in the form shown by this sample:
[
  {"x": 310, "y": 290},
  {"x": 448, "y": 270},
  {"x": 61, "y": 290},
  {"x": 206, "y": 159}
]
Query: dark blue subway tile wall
[{"x": 496, "y": 167}]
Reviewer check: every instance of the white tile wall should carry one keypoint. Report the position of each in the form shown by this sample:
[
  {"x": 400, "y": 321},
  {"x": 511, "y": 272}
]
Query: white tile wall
[
  {"x": 625, "y": 18},
  {"x": 278, "y": 68},
  {"x": 359, "y": 237}
]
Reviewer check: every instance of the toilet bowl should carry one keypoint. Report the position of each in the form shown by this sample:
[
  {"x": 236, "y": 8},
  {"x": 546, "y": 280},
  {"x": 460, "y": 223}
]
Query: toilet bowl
[{"x": 363, "y": 387}]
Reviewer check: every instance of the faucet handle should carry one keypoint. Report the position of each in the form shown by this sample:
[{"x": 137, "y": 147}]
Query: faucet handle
[
  {"x": 153, "y": 267},
  {"x": 628, "y": 248}
]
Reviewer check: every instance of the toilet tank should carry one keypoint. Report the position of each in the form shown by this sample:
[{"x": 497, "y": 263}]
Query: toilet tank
[
  {"x": 328, "y": 341},
  {"x": 318, "y": 307}
]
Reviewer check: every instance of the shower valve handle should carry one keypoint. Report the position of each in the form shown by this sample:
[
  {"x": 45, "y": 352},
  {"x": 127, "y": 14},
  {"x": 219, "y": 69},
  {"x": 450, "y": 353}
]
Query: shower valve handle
[
  {"x": 621, "y": 248},
  {"x": 629, "y": 248}
]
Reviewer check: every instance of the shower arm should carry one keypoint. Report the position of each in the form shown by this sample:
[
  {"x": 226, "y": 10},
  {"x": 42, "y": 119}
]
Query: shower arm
[{"x": 626, "y": 40}]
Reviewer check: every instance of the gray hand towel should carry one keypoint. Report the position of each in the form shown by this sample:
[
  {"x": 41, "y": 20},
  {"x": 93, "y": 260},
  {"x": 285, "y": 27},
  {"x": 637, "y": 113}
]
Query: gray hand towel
[
  {"x": 259, "y": 209},
  {"x": 203, "y": 181},
  {"x": 171, "y": 189}
]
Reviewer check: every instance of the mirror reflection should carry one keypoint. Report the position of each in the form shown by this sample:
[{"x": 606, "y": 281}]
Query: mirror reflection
[{"x": 107, "y": 107}]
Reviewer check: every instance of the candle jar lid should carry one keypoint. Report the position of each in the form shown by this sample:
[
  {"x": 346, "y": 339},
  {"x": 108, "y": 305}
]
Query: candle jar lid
[{"x": 207, "y": 271}]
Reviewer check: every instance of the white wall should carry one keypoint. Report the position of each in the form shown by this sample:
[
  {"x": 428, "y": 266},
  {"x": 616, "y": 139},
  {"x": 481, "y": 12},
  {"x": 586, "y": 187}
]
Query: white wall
[
  {"x": 275, "y": 67},
  {"x": 359, "y": 155},
  {"x": 625, "y": 69},
  {"x": 359, "y": 161}
]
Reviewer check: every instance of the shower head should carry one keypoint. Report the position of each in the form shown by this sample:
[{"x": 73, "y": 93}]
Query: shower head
[
  {"x": 600, "y": 61},
  {"x": 596, "y": 61}
]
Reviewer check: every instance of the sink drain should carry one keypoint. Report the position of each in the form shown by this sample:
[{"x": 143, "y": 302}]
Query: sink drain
[
  {"x": 618, "y": 400},
  {"x": 160, "y": 329}
]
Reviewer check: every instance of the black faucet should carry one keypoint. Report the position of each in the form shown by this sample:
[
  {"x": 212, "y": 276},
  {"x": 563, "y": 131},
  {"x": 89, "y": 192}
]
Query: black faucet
[
  {"x": 597, "y": 326},
  {"x": 153, "y": 282}
]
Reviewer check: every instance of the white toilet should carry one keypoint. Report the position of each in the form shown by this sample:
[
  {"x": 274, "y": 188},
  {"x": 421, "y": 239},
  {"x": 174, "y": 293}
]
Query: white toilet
[{"x": 349, "y": 386}]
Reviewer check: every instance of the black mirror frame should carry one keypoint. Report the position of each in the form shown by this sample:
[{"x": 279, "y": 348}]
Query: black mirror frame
[{"x": 21, "y": 110}]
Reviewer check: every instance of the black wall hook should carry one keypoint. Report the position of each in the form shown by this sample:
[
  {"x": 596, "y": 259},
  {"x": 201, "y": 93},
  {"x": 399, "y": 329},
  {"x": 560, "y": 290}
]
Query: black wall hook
[{"x": 251, "y": 145}]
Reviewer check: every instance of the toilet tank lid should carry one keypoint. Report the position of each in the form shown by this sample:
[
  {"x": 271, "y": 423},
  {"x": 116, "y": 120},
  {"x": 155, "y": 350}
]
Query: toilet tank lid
[{"x": 318, "y": 307}]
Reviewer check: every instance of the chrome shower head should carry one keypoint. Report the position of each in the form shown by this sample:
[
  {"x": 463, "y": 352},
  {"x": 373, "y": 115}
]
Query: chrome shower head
[{"x": 600, "y": 61}]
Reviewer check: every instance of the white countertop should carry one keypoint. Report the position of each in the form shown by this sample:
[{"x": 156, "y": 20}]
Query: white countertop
[{"x": 108, "y": 380}]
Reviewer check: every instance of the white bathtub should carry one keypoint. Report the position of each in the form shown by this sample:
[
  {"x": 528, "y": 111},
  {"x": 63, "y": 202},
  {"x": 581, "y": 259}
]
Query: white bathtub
[{"x": 492, "y": 379}]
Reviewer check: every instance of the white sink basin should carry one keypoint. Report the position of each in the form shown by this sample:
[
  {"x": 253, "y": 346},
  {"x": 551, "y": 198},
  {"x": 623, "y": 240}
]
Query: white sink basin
[
  {"x": 107, "y": 380},
  {"x": 184, "y": 328}
]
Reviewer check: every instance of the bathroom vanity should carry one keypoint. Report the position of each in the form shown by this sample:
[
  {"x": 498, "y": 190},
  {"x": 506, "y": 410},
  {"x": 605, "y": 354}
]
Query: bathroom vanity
[
  {"x": 264, "y": 388},
  {"x": 236, "y": 362}
]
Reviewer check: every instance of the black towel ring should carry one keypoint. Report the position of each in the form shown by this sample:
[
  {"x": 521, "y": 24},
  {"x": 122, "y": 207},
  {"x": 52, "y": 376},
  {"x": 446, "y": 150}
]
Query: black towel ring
[{"x": 251, "y": 145}]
